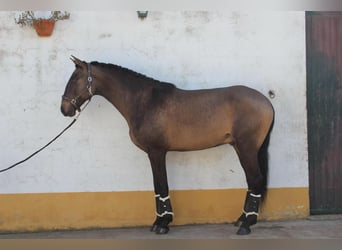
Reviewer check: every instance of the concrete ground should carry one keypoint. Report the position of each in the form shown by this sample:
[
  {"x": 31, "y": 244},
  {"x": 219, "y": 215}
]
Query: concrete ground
[{"x": 314, "y": 227}]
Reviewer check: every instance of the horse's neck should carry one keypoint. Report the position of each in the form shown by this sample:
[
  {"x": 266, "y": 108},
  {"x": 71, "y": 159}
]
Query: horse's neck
[{"x": 123, "y": 95}]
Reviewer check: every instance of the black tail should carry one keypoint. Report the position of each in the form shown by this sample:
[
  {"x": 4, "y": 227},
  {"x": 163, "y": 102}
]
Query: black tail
[{"x": 263, "y": 160}]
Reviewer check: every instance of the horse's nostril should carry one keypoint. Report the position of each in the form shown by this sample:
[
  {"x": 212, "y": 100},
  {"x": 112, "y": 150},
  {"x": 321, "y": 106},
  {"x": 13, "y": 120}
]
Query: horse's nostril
[
  {"x": 67, "y": 110},
  {"x": 63, "y": 111}
]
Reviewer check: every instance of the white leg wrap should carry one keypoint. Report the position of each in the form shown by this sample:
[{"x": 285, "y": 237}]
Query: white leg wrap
[
  {"x": 165, "y": 213},
  {"x": 250, "y": 213},
  {"x": 163, "y": 205},
  {"x": 251, "y": 206},
  {"x": 161, "y": 198},
  {"x": 164, "y": 199}
]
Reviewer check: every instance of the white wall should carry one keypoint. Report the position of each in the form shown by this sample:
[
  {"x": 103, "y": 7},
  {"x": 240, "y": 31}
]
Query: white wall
[{"x": 264, "y": 50}]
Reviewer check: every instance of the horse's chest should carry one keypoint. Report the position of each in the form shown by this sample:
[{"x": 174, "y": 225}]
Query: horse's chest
[
  {"x": 146, "y": 137},
  {"x": 135, "y": 139}
]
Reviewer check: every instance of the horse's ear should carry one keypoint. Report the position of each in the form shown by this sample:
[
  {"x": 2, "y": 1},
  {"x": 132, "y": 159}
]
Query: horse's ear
[{"x": 77, "y": 61}]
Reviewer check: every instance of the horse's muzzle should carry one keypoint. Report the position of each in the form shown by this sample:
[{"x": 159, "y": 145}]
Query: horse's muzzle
[{"x": 67, "y": 109}]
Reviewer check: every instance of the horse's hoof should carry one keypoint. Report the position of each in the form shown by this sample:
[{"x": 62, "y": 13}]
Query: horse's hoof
[
  {"x": 162, "y": 230},
  {"x": 237, "y": 223},
  {"x": 154, "y": 228},
  {"x": 243, "y": 231}
]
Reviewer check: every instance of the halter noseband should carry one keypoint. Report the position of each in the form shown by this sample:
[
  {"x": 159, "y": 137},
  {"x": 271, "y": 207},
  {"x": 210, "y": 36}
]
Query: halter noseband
[{"x": 73, "y": 101}]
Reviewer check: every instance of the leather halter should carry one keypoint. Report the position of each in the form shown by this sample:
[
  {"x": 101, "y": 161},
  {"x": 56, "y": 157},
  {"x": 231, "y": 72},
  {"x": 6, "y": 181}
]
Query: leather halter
[{"x": 73, "y": 101}]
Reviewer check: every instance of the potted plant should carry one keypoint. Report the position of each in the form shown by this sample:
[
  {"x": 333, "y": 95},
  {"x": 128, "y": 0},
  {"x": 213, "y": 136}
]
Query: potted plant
[{"x": 43, "y": 25}]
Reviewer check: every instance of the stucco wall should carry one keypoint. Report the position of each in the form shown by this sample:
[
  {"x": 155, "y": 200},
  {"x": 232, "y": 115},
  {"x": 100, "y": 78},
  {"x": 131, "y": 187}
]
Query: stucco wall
[{"x": 263, "y": 50}]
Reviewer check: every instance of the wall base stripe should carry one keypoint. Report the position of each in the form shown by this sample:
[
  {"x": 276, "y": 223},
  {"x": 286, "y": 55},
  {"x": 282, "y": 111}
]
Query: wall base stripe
[{"x": 52, "y": 211}]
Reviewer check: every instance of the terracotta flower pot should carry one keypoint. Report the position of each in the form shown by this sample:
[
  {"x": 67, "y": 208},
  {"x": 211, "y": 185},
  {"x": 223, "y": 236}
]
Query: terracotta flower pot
[{"x": 44, "y": 27}]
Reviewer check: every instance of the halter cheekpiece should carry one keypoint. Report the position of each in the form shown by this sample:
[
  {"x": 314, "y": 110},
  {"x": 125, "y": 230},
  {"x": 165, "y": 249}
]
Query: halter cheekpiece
[
  {"x": 73, "y": 101},
  {"x": 90, "y": 80}
]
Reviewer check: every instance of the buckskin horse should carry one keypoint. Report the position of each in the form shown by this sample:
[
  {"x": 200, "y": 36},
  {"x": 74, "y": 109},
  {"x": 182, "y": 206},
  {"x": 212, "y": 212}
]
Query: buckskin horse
[{"x": 162, "y": 118}]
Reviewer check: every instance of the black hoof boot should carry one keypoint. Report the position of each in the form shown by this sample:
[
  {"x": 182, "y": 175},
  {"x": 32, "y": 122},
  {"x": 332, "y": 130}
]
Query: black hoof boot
[
  {"x": 162, "y": 230},
  {"x": 243, "y": 230}
]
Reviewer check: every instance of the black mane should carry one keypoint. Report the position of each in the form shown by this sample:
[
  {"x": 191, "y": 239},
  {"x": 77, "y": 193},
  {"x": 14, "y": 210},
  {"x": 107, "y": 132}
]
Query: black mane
[{"x": 129, "y": 71}]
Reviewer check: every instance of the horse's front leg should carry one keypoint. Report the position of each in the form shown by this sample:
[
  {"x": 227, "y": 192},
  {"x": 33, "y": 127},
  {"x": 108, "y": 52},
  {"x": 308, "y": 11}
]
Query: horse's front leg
[{"x": 163, "y": 204}]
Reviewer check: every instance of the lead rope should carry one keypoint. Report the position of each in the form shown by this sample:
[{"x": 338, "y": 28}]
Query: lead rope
[{"x": 29, "y": 157}]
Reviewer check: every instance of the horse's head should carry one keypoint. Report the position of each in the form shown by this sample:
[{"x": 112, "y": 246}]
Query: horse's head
[{"x": 78, "y": 89}]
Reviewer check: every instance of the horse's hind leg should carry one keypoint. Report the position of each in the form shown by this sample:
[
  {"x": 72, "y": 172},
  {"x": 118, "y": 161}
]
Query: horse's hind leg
[
  {"x": 248, "y": 156},
  {"x": 163, "y": 204},
  {"x": 250, "y": 213}
]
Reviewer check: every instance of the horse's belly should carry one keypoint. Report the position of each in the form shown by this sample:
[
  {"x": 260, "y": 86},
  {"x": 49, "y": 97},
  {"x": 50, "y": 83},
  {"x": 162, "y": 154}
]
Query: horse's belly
[{"x": 196, "y": 139}]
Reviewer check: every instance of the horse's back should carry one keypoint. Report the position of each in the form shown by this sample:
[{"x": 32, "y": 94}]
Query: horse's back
[{"x": 198, "y": 119}]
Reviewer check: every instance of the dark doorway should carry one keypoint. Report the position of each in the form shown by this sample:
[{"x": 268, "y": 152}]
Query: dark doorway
[{"x": 324, "y": 104}]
